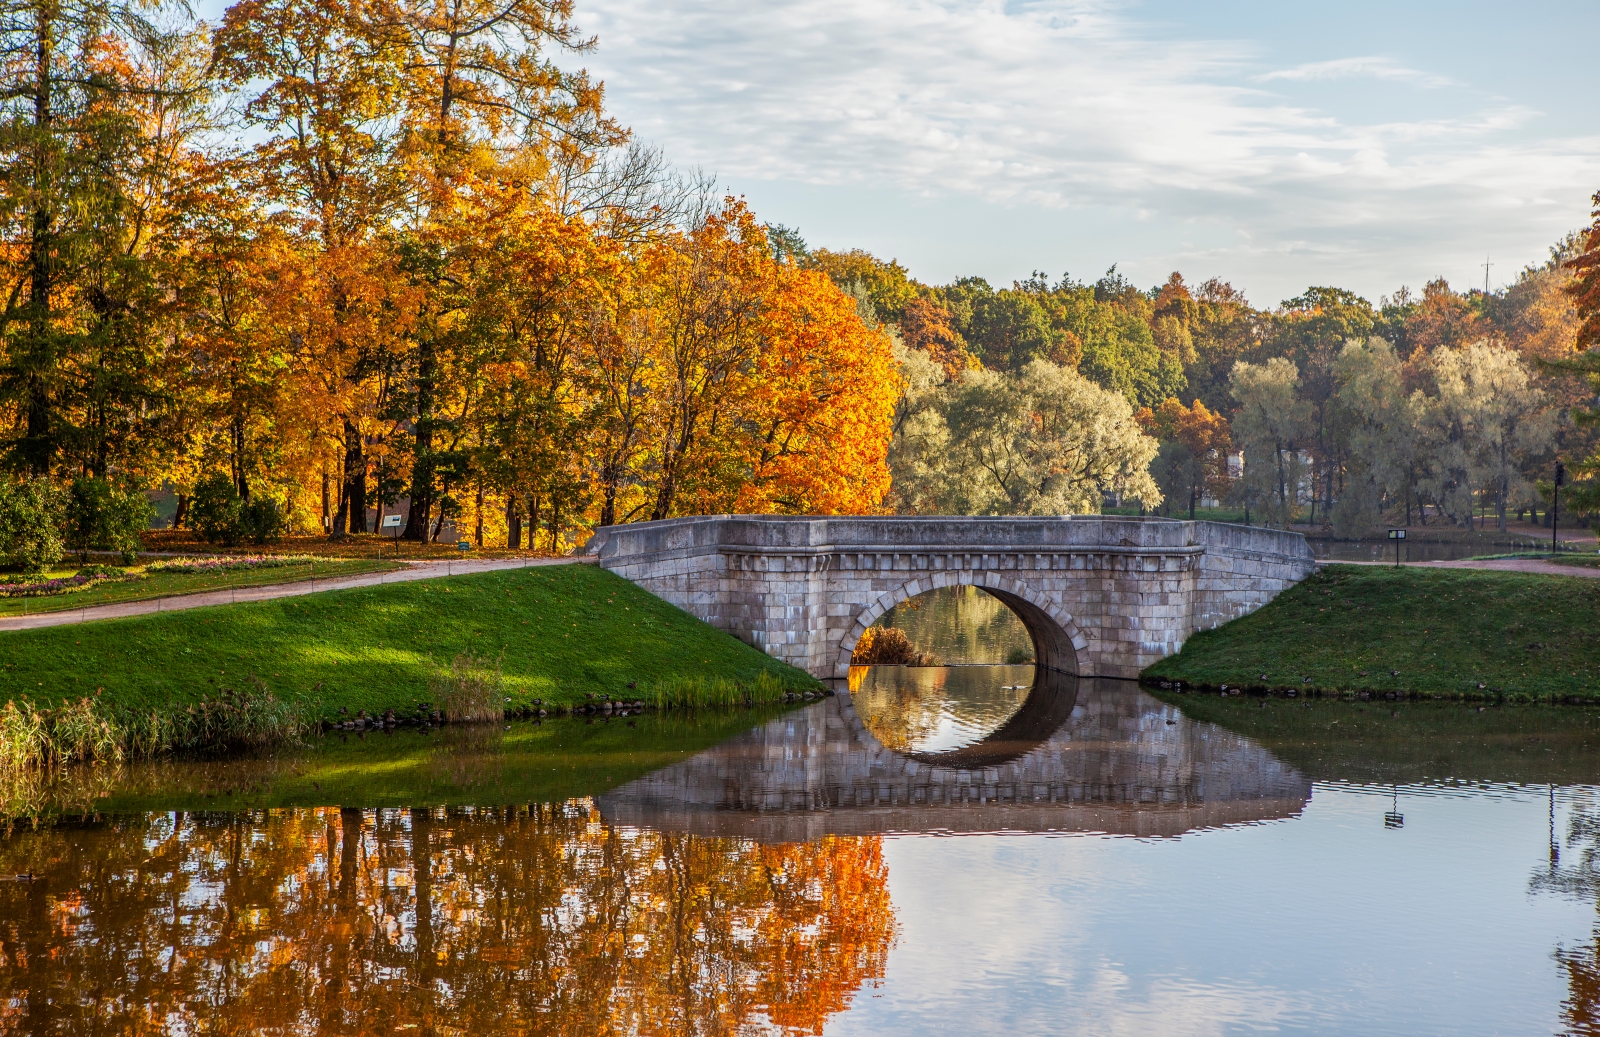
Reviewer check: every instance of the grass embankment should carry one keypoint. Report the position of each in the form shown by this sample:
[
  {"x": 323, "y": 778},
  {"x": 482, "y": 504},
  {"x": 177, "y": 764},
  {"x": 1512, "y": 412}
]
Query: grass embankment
[
  {"x": 1428, "y": 633},
  {"x": 141, "y": 585},
  {"x": 1403, "y": 741},
  {"x": 549, "y": 637}
]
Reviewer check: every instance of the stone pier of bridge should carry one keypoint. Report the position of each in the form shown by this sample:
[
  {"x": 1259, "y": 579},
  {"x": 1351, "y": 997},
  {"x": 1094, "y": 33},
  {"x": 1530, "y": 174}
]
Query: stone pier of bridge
[{"x": 1100, "y": 596}]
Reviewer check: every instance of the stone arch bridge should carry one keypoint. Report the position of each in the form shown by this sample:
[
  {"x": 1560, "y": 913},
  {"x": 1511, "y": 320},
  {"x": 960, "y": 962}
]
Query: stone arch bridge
[{"x": 1100, "y": 596}]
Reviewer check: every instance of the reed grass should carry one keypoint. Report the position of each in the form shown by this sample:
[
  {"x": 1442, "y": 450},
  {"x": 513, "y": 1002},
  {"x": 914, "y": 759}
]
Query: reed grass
[
  {"x": 473, "y": 690},
  {"x": 87, "y": 731},
  {"x": 695, "y": 692}
]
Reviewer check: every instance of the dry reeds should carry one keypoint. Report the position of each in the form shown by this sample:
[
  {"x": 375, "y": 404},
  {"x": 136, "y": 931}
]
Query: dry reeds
[
  {"x": 87, "y": 731},
  {"x": 472, "y": 690}
]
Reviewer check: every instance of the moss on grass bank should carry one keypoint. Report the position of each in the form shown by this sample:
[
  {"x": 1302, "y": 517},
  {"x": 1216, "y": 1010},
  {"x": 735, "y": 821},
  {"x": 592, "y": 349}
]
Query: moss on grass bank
[
  {"x": 560, "y": 634},
  {"x": 1428, "y": 633}
]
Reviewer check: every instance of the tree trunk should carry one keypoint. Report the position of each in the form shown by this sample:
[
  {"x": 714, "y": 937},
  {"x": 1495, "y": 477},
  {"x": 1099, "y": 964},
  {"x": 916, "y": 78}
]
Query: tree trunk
[
  {"x": 355, "y": 482},
  {"x": 513, "y": 523},
  {"x": 477, "y": 529},
  {"x": 422, "y": 454},
  {"x": 38, "y": 450}
]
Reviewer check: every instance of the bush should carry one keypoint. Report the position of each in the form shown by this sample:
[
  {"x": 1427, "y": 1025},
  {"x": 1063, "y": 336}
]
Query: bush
[
  {"x": 262, "y": 520},
  {"x": 215, "y": 510},
  {"x": 888, "y": 646},
  {"x": 104, "y": 517},
  {"x": 30, "y": 525}
]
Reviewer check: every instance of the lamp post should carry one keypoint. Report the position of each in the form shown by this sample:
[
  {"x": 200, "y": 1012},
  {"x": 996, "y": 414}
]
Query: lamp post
[
  {"x": 1555, "y": 502},
  {"x": 1397, "y": 535}
]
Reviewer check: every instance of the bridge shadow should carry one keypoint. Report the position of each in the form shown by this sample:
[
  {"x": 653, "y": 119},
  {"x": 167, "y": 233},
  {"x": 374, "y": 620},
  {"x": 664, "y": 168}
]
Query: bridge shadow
[{"x": 1080, "y": 755}]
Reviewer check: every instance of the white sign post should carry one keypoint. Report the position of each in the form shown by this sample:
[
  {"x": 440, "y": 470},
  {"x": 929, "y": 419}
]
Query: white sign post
[{"x": 394, "y": 522}]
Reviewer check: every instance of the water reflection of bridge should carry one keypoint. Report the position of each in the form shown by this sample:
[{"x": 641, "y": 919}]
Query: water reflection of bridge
[{"x": 1080, "y": 756}]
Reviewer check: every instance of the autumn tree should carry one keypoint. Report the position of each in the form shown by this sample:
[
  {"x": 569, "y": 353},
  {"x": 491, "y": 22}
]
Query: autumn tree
[{"x": 1193, "y": 460}]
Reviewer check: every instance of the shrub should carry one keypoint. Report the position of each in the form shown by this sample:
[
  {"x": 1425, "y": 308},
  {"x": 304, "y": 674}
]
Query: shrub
[
  {"x": 215, "y": 510},
  {"x": 887, "y": 646},
  {"x": 30, "y": 525},
  {"x": 262, "y": 520},
  {"x": 104, "y": 517}
]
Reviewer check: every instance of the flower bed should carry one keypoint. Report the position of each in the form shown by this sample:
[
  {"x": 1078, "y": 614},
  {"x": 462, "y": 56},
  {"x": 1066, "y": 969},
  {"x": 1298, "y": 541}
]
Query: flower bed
[
  {"x": 226, "y": 564},
  {"x": 63, "y": 584}
]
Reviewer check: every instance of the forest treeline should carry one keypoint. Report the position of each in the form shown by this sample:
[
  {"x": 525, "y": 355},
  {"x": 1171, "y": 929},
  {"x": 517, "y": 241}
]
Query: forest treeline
[
  {"x": 1438, "y": 403},
  {"x": 322, "y": 261},
  {"x": 322, "y": 257}
]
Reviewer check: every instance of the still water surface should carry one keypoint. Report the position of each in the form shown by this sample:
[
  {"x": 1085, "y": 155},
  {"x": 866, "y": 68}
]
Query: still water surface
[{"x": 946, "y": 851}]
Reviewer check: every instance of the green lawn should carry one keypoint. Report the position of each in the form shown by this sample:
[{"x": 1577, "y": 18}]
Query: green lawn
[
  {"x": 559, "y": 631},
  {"x": 146, "y": 587},
  {"x": 1428, "y": 632}
]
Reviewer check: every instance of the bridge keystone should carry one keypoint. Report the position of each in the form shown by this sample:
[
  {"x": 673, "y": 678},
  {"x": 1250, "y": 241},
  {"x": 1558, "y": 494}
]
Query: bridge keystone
[{"x": 1101, "y": 596}]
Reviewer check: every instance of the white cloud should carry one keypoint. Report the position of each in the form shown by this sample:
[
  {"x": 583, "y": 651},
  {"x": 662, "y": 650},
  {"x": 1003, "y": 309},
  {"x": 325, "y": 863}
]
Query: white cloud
[
  {"x": 1066, "y": 107},
  {"x": 1348, "y": 68}
]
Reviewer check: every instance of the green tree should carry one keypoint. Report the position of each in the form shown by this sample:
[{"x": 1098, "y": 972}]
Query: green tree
[
  {"x": 30, "y": 524},
  {"x": 87, "y": 141},
  {"x": 1268, "y": 428},
  {"x": 103, "y": 516}
]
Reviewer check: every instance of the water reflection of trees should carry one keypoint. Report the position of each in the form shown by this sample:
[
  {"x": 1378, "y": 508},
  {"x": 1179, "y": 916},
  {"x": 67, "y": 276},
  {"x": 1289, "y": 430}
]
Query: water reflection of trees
[
  {"x": 909, "y": 708},
  {"x": 1574, "y": 872},
  {"x": 481, "y": 921}
]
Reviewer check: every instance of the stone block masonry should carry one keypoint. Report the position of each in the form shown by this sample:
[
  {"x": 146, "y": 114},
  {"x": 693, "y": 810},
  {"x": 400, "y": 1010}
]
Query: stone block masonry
[{"x": 1100, "y": 596}]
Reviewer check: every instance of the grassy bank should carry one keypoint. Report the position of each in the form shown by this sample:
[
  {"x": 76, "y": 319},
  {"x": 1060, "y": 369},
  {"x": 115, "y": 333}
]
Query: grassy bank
[
  {"x": 1429, "y": 633},
  {"x": 143, "y": 583},
  {"x": 549, "y": 637}
]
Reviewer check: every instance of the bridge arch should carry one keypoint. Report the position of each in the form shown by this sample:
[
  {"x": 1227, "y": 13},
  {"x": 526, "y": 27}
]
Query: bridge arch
[{"x": 1057, "y": 641}]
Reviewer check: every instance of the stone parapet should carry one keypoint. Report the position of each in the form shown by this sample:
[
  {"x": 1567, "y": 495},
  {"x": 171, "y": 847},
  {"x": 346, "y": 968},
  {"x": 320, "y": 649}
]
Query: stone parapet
[{"x": 1100, "y": 595}]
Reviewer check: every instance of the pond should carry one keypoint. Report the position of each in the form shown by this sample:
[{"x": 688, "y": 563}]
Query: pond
[{"x": 939, "y": 850}]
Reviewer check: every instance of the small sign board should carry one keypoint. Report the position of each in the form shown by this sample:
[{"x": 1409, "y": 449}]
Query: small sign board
[
  {"x": 1397, "y": 534},
  {"x": 463, "y": 545},
  {"x": 393, "y": 521}
]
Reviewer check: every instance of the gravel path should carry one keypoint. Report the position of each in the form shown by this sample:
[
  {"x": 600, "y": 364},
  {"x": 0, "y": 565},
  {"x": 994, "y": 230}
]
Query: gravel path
[
  {"x": 1507, "y": 565},
  {"x": 413, "y": 571}
]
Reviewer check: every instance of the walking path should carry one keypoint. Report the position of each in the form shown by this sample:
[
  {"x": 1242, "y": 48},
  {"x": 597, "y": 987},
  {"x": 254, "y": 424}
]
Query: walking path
[
  {"x": 413, "y": 571},
  {"x": 1508, "y": 565}
]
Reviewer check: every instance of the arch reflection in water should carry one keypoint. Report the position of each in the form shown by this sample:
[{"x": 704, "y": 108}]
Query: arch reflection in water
[{"x": 1080, "y": 755}]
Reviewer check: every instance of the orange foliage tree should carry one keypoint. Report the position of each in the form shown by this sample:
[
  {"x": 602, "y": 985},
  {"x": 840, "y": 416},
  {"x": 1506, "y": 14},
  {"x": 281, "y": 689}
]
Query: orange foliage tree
[{"x": 1194, "y": 457}]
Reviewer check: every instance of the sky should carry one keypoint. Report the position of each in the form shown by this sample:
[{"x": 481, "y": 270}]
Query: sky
[{"x": 1273, "y": 144}]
